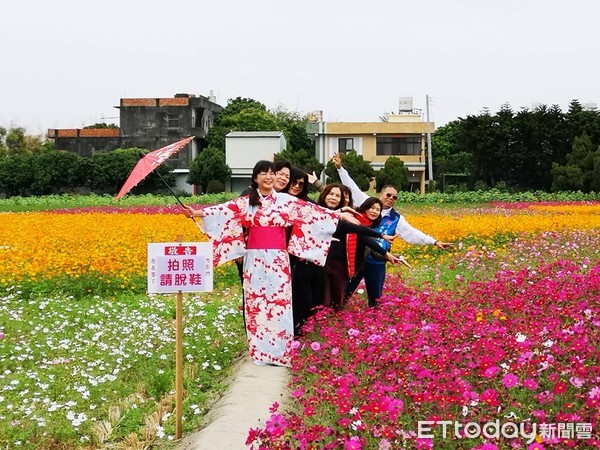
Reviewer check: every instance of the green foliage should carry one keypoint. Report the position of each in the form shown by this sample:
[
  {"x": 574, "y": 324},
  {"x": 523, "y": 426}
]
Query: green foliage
[
  {"x": 360, "y": 170},
  {"x": 215, "y": 186},
  {"x": 208, "y": 166},
  {"x": 15, "y": 174},
  {"x": 15, "y": 140},
  {"x": 3, "y": 147},
  {"x": 109, "y": 170},
  {"x": 566, "y": 177},
  {"x": 240, "y": 114},
  {"x": 302, "y": 159},
  {"x": 67, "y": 201},
  {"x": 115, "y": 353},
  {"x": 582, "y": 169},
  {"x": 102, "y": 125},
  {"x": 294, "y": 127},
  {"x": 517, "y": 148},
  {"x": 244, "y": 114},
  {"x": 393, "y": 173},
  {"x": 54, "y": 171}
]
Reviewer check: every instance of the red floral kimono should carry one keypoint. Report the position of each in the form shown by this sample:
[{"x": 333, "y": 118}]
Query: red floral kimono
[{"x": 267, "y": 278}]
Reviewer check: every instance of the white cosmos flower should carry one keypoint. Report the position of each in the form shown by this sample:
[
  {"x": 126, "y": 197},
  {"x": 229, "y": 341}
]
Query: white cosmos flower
[{"x": 549, "y": 343}]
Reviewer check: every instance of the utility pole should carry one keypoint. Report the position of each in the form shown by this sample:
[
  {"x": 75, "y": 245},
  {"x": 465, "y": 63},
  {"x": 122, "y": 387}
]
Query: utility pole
[{"x": 429, "y": 158}]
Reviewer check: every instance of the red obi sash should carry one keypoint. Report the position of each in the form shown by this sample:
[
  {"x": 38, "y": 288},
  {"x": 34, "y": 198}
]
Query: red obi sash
[{"x": 266, "y": 238}]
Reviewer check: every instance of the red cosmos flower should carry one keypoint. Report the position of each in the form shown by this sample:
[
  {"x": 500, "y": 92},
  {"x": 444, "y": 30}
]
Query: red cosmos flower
[
  {"x": 344, "y": 422},
  {"x": 593, "y": 402},
  {"x": 490, "y": 396},
  {"x": 252, "y": 435},
  {"x": 559, "y": 387},
  {"x": 309, "y": 411}
]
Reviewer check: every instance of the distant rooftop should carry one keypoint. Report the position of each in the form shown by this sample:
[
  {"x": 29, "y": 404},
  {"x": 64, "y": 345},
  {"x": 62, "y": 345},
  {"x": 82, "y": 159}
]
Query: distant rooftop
[{"x": 254, "y": 134}]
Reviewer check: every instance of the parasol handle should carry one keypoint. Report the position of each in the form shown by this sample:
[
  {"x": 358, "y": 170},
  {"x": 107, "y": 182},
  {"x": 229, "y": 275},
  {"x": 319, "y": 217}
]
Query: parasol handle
[{"x": 180, "y": 202}]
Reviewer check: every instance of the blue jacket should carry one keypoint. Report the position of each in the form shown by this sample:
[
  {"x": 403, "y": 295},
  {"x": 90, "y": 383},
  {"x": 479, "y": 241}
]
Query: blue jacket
[{"x": 387, "y": 226}]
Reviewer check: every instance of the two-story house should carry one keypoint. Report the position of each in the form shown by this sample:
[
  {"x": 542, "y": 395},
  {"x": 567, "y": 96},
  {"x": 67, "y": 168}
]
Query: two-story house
[
  {"x": 149, "y": 123},
  {"x": 402, "y": 135}
]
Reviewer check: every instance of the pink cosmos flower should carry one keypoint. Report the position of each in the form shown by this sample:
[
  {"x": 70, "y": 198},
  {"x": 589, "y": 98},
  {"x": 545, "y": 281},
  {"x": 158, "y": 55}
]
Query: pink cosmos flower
[
  {"x": 384, "y": 444},
  {"x": 353, "y": 332},
  {"x": 315, "y": 346},
  {"x": 530, "y": 384},
  {"x": 276, "y": 425},
  {"x": 297, "y": 393},
  {"x": 510, "y": 380},
  {"x": 488, "y": 446},
  {"x": 274, "y": 407},
  {"x": 491, "y": 371},
  {"x": 424, "y": 443},
  {"x": 353, "y": 443},
  {"x": 535, "y": 446},
  {"x": 539, "y": 414}
]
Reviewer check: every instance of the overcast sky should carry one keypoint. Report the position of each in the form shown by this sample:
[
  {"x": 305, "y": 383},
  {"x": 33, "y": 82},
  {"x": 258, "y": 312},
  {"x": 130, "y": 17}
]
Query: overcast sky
[{"x": 66, "y": 63}]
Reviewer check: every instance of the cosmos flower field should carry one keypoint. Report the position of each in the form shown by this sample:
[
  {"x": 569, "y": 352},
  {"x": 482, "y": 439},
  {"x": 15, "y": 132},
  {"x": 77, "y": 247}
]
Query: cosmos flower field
[
  {"x": 505, "y": 326},
  {"x": 504, "y": 329}
]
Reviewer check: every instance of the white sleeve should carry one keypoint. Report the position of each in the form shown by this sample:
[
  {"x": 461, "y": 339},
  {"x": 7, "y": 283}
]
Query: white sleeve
[
  {"x": 358, "y": 196},
  {"x": 410, "y": 234}
]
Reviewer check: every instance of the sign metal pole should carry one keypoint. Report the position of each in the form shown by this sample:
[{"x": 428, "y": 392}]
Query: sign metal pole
[{"x": 178, "y": 360}]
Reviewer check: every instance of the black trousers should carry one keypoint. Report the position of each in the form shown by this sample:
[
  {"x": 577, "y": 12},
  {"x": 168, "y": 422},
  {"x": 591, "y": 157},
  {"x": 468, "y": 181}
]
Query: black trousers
[
  {"x": 308, "y": 288},
  {"x": 336, "y": 281}
]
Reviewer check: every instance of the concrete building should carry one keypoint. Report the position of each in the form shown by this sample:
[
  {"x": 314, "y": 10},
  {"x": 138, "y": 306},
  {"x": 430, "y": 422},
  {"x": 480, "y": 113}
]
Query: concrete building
[
  {"x": 402, "y": 135},
  {"x": 244, "y": 148},
  {"x": 149, "y": 123}
]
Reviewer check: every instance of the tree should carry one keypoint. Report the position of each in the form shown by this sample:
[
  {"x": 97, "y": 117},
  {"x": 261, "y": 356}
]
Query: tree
[
  {"x": 102, "y": 125},
  {"x": 3, "y": 148},
  {"x": 359, "y": 170},
  {"x": 393, "y": 173},
  {"x": 582, "y": 170},
  {"x": 208, "y": 166},
  {"x": 293, "y": 125},
  {"x": 16, "y": 174},
  {"x": 55, "y": 171},
  {"x": 300, "y": 149},
  {"x": 240, "y": 114},
  {"x": 109, "y": 170},
  {"x": 15, "y": 141},
  {"x": 448, "y": 156},
  {"x": 302, "y": 159}
]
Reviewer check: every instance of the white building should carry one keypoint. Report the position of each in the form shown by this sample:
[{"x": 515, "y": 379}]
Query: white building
[{"x": 242, "y": 151}]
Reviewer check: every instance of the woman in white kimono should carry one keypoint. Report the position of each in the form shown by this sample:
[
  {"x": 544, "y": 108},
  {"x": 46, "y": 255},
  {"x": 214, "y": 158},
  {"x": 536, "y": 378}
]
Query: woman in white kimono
[{"x": 267, "y": 279}]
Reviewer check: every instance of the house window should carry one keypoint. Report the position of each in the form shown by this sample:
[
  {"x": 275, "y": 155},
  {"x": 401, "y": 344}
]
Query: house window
[
  {"x": 173, "y": 120},
  {"x": 398, "y": 146},
  {"x": 345, "y": 145}
]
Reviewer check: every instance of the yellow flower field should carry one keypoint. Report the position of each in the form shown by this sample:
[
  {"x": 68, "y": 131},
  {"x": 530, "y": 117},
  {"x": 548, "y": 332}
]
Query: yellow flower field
[{"x": 41, "y": 245}]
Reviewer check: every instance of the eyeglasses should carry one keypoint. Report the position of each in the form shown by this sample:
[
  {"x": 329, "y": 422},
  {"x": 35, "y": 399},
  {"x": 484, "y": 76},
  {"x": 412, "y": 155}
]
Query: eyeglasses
[
  {"x": 388, "y": 195},
  {"x": 298, "y": 183}
]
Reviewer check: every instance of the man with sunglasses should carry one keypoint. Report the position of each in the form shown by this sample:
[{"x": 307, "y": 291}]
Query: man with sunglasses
[{"x": 392, "y": 223}]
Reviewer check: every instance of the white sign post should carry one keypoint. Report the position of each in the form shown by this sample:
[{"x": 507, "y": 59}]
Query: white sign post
[{"x": 179, "y": 267}]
